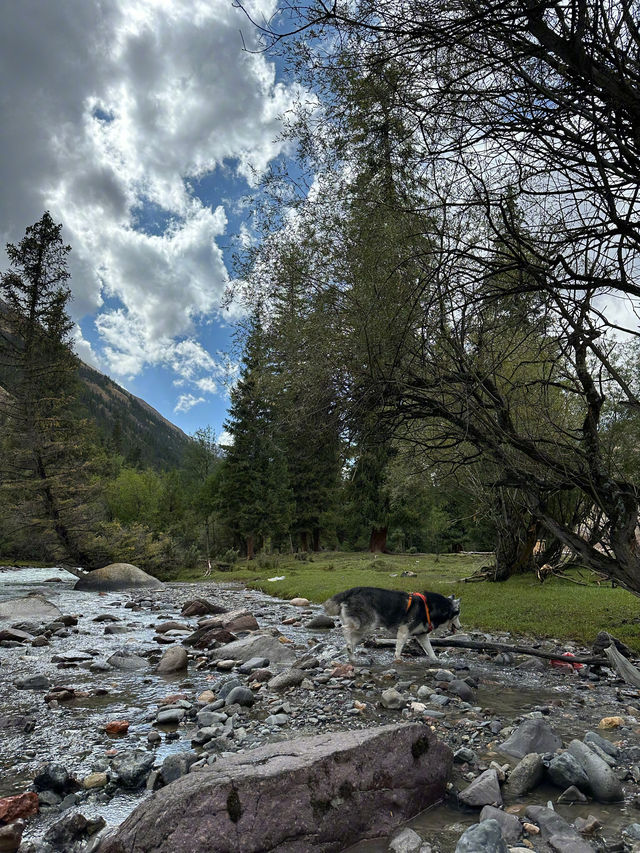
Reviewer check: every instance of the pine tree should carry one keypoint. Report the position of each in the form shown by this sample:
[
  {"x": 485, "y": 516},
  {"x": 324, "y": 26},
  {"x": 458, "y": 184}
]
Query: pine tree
[{"x": 45, "y": 464}]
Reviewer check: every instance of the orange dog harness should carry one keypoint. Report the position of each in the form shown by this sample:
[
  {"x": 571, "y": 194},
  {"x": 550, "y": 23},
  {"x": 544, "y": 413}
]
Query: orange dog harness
[{"x": 426, "y": 607}]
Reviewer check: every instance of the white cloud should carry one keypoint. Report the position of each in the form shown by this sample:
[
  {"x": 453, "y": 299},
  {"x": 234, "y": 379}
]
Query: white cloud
[
  {"x": 187, "y": 402},
  {"x": 110, "y": 112}
]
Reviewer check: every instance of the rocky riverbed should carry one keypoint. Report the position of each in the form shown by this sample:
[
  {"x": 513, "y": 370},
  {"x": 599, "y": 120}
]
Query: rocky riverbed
[{"x": 109, "y": 696}]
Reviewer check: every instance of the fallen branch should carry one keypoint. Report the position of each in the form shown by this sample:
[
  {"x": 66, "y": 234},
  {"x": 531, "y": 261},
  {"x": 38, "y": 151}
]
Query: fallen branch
[
  {"x": 627, "y": 671},
  {"x": 489, "y": 646}
]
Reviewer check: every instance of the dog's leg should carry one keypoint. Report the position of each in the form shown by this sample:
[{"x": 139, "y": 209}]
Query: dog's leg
[
  {"x": 401, "y": 638},
  {"x": 423, "y": 639}
]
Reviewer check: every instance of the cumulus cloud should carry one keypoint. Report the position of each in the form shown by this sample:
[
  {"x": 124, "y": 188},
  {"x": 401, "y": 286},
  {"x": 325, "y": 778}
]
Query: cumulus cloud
[
  {"x": 187, "y": 402},
  {"x": 113, "y": 113}
]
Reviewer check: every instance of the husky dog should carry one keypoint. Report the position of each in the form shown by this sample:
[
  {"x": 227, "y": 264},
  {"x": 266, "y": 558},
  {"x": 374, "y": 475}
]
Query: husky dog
[{"x": 362, "y": 609}]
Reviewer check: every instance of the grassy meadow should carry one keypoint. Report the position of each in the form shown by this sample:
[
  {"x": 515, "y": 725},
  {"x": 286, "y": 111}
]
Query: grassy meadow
[{"x": 523, "y": 606}]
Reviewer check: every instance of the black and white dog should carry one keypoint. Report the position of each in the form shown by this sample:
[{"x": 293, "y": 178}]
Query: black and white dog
[{"x": 362, "y": 609}]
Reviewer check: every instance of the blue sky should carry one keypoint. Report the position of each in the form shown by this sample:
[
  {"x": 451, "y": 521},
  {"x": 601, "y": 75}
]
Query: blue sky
[{"x": 141, "y": 125}]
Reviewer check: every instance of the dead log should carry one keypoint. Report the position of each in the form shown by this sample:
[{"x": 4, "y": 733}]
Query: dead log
[
  {"x": 627, "y": 671},
  {"x": 489, "y": 646}
]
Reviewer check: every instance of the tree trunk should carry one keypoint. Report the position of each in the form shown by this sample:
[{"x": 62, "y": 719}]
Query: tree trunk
[
  {"x": 378, "y": 540},
  {"x": 250, "y": 547},
  {"x": 316, "y": 539},
  {"x": 304, "y": 540}
]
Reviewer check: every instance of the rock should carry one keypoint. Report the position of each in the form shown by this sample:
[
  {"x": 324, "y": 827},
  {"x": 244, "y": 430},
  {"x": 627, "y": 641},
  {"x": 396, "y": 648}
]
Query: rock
[
  {"x": 175, "y": 659},
  {"x": 510, "y": 826},
  {"x": 608, "y": 723},
  {"x": 299, "y": 602},
  {"x": 73, "y": 828},
  {"x": 572, "y": 795},
  {"x": 116, "y": 576},
  {"x": 605, "y": 785},
  {"x": 526, "y": 775},
  {"x": 200, "y": 607},
  {"x": 392, "y": 700},
  {"x": 253, "y": 663},
  {"x": 132, "y": 768},
  {"x": 603, "y": 640},
  {"x": 35, "y": 607},
  {"x": 163, "y": 627},
  {"x": 127, "y": 660},
  {"x": 565, "y": 771},
  {"x": 339, "y": 787},
  {"x": 588, "y": 825},
  {"x": 632, "y": 832},
  {"x": 532, "y": 735},
  {"x": 113, "y": 630},
  {"x": 405, "y": 841},
  {"x": 15, "y": 636},
  {"x": 95, "y": 780},
  {"x": 285, "y": 680},
  {"x": 485, "y": 837},
  {"x": 55, "y": 777},
  {"x": 483, "y": 791},
  {"x": 117, "y": 727},
  {"x": 11, "y": 836},
  {"x": 604, "y": 744},
  {"x": 460, "y": 688},
  {"x": 170, "y": 716},
  {"x": 256, "y": 645},
  {"x": 320, "y": 622},
  {"x": 240, "y": 695},
  {"x": 561, "y": 835},
  {"x": 18, "y": 806},
  {"x": 177, "y": 765},
  {"x": 33, "y": 682}
]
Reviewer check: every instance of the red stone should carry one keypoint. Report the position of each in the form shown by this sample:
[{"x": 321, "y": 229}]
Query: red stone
[
  {"x": 117, "y": 727},
  {"x": 20, "y": 805},
  {"x": 343, "y": 670}
]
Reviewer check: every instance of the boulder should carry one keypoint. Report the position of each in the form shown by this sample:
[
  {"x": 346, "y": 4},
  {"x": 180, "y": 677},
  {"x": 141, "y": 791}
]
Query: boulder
[
  {"x": 257, "y": 645},
  {"x": 554, "y": 829},
  {"x": 485, "y": 837},
  {"x": 18, "y": 806},
  {"x": 116, "y": 576},
  {"x": 132, "y": 768},
  {"x": 526, "y": 775},
  {"x": 605, "y": 785},
  {"x": 533, "y": 735},
  {"x": 175, "y": 659},
  {"x": 28, "y": 607},
  {"x": 566, "y": 771},
  {"x": 201, "y": 606},
  {"x": 510, "y": 826},
  {"x": 317, "y": 794},
  {"x": 483, "y": 791}
]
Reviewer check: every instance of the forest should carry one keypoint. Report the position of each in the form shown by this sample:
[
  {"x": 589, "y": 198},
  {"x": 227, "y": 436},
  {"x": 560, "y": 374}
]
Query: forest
[{"x": 440, "y": 344}]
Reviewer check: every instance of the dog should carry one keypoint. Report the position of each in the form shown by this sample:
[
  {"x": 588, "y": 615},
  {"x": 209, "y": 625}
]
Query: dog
[{"x": 362, "y": 609}]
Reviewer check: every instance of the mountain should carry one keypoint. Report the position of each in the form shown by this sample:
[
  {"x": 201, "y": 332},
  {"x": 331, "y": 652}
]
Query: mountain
[{"x": 128, "y": 425}]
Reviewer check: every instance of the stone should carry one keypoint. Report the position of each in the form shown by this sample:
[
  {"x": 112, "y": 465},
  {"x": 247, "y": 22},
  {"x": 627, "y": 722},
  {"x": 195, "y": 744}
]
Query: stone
[
  {"x": 33, "y": 682},
  {"x": 460, "y": 688},
  {"x": 483, "y": 791},
  {"x": 605, "y": 785},
  {"x": 132, "y": 768},
  {"x": 240, "y": 695},
  {"x": 605, "y": 745},
  {"x": 532, "y": 735},
  {"x": 572, "y": 795},
  {"x": 299, "y": 602},
  {"x": 588, "y": 825},
  {"x": 95, "y": 780},
  {"x": 201, "y": 606},
  {"x": 116, "y": 576},
  {"x": 163, "y": 627},
  {"x": 285, "y": 680},
  {"x": 603, "y": 640},
  {"x": 64, "y": 834},
  {"x": 170, "y": 716},
  {"x": 526, "y": 775},
  {"x": 15, "y": 636},
  {"x": 11, "y": 836},
  {"x": 117, "y": 727},
  {"x": 510, "y": 826},
  {"x": 175, "y": 659},
  {"x": 405, "y": 841},
  {"x": 177, "y": 765},
  {"x": 253, "y": 663},
  {"x": 256, "y": 645},
  {"x": 18, "y": 806},
  {"x": 485, "y": 837},
  {"x": 127, "y": 661},
  {"x": 54, "y": 777},
  {"x": 320, "y": 622},
  {"x": 561, "y": 836},
  {"x": 392, "y": 699},
  {"x": 565, "y": 771},
  {"x": 608, "y": 723},
  {"x": 35, "y": 607},
  {"x": 340, "y": 787}
]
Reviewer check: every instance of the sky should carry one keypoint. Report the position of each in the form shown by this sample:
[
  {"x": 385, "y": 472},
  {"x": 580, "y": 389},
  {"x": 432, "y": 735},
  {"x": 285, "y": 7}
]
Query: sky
[{"x": 142, "y": 126}]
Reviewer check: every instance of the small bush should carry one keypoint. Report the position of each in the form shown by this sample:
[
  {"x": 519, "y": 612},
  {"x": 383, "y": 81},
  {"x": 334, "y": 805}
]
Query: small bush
[
  {"x": 267, "y": 561},
  {"x": 230, "y": 556}
]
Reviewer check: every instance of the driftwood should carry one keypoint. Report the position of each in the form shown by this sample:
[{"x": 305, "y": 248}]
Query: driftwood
[
  {"x": 487, "y": 645},
  {"x": 627, "y": 671}
]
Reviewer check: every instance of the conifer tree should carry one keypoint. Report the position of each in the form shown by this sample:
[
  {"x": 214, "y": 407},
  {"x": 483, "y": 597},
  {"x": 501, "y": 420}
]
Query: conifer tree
[{"x": 44, "y": 465}]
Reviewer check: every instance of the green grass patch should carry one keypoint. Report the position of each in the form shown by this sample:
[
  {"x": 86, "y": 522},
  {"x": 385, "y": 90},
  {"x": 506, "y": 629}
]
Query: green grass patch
[{"x": 523, "y": 606}]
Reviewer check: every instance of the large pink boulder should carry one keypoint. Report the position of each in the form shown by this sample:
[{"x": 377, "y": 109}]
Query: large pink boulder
[{"x": 316, "y": 794}]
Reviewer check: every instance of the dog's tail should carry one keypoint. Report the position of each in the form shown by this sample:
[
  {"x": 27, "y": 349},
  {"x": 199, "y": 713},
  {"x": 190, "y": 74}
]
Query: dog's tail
[{"x": 332, "y": 605}]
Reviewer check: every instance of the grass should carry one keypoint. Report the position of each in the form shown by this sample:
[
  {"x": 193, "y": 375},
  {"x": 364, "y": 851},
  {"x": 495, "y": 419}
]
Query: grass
[{"x": 557, "y": 609}]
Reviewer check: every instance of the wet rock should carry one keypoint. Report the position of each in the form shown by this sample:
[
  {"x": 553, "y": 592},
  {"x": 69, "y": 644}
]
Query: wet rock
[
  {"x": 113, "y": 630},
  {"x": 240, "y": 695},
  {"x": 602, "y": 743},
  {"x": 28, "y": 607},
  {"x": 256, "y": 645},
  {"x": 95, "y": 780},
  {"x": 483, "y": 791},
  {"x": 461, "y": 689},
  {"x": 11, "y": 836},
  {"x": 116, "y": 576},
  {"x": 608, "y": 723},
  {"x": 285, "y": 680},
  {"x": 464, "y": 755},
  {"x": 572, "y": 795},
  {"x": 14, "y": 635},
  {"x": 405, "y": 841},
  {"x": 320, "y": 621},
  {"x": 163, "y": 627},
  {"x": 242, "y": 802},
  {"x": 299, "y": 602},
  {"x": 603, "y": 640},
  {"x": 127, "y": 661},
  {"x": 532, "y": 735},
  {"x": 526, "y": 775},
  {"x": 55, "y": 777},
  {"x": 556, "y": 831},
  {"x": 277, "y": 720},
  {"x": 177, "y": 765},
  {"x": 587, "y": 825},
  {"x": 566, "y": 771},
  {"x": 392, "y": 699},
  {"x": 33, "y": 682},
  {"x": 510, "y": 826},
  {"x": 132, "y": 768},
  {"x": 18, "y": 806},
  {"x": 485, "y": 837},
  {"x": 605, "y": 785},
  {"x": 117, "y": 727},
  {"x": 175, "y": 659},
  {"x": 632, "y": 832},
  {"x": 201, "y": 606},
  {"x": 73, "y": 828},
  {"x": 170, "y": 716}
]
